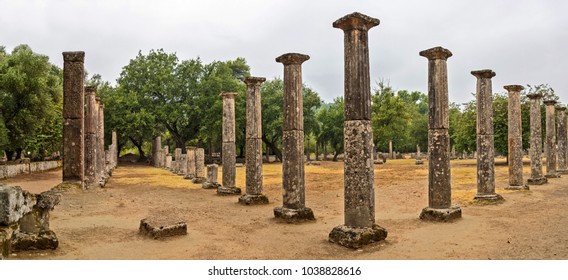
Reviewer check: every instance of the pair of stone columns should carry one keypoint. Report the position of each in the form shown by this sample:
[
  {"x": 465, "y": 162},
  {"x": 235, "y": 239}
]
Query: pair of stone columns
[{"x": 551, "y": 153}]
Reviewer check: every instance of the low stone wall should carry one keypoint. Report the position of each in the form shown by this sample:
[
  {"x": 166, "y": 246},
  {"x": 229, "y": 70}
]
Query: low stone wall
[{"x": 11, "y": 170}]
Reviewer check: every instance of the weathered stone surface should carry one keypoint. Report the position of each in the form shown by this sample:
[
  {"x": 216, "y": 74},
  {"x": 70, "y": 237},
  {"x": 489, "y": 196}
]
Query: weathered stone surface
[
  {"x": 73, "y": 150},
  {"x": 5, "y": 244},
  {"x": 162, "y": 226},
  {"x": 199, "y": 165},
  {"x": 229, "y": 160},
  {"x": 212, "y": 171},
  {"x": 114, "y": 141},
  {"x": 165, "y": 156},
  {"x": 562, "y": 140},
  {"x": 253, "y": 107},
  {"x": 438, "y": 116},
  {"x": 253, "y": 199},
  {"x": 293, "y": 99},
  {"x": 156, "y": 147},
  {"x": 441, "y": 214},
  {"x": 169, "y": 162},
  {"x": 439, "y": 173},
  {"x": 22, "y": 241},
  {"x": 515, "y": 139},
  {"x": 73, "y": 82},
  {"x": 485, "y": 139},
  {"x": 91, "y": 147},
  {"x": 293, "y": 169},
  {"x": 190, "y": 172},
  {"x": 229, "y": 171},
  {"x": 176, "y": 166},
  {"x": 535, "y": 151},
  {"x": 551, "y": 155},
  {"x": 359, "y": 174},
  {"x": 101, "y": 166},
  {"x": 228, "y": 126},
  {"x": 292, "y": 215},
  {"x": 357, "y": 237},
  {"x": 228, "y": 191},
  {"x": 183, "y": 165},
  {"x": 253, "y": 157},
  {"x": 14, "y": 204}
]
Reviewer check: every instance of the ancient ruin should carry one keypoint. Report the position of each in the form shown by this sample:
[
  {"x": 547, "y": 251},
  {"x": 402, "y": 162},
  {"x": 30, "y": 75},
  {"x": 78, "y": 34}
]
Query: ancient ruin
[
  {"x": 535, "y": 151},
  {"x": 485, "y": 141},
  {"x": 199, "y": 166},
  {"x": 190, "y": 171},
  {"x": 562, "y": 140},
  {"x": 101, "y": 160},
  {"x": 293, "y": 183},
  {"x": 211, "y": 183},
  {"x": 156, "y": 147},
  {"x": 91, "y": 141},
  {"x": 73, "y": 115},
  {"x": 253, "y": 154},
  {"x": 228, "y": 146},
  {"x": 419, "y": 160},
  {"x": 439, "y": 176},
  {"x": 551, "y": 139},
  {"x": 515, "y": 139},
  {"x": 359, "y": 228}
]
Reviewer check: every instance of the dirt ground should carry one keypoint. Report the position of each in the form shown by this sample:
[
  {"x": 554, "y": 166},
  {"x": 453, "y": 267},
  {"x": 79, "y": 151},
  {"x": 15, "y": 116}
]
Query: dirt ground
[{"x": 103, "y": 223}]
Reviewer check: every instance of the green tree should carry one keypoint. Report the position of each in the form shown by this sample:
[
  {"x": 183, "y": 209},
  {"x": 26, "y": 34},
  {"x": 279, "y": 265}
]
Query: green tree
[
  {"x": 391, "y": 119},
  {"x": 331, "y": 118}
]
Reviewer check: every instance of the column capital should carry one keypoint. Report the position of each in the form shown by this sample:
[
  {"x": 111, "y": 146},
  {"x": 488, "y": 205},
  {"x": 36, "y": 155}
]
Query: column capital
[
  {"x": 292, "y": 58},
  {"x": 549, "y": 102},
  {"x": 485, "y": 73},
  {"x": 356, "y": 21},
  {"x": 74, "y": 56},
  {"x": 90, "y": 90},
  {"x": 254, "y": 80},
  {"x": 561, "y": 107},
  {"x": 514, "y": 88},
  {"x": 436, "y": 53},
  {"x": 228, "y": 94},
  {"x": 534, "y": 95}
]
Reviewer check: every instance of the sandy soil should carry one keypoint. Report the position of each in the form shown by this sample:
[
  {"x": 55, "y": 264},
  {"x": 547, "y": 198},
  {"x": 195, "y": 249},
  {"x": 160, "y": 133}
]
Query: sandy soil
[{"x": 103, "y": 223}]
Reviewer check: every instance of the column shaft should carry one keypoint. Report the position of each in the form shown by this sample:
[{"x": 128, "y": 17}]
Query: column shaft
[
  {"x": 91, "y": 143},
  {"x": 229, "y": 171},
  {"x": 535, "y": 151},
  {"x": 551, "y": 159},
  {"x": 562, "y": 160},
  {"x": 515, "y": 138}
]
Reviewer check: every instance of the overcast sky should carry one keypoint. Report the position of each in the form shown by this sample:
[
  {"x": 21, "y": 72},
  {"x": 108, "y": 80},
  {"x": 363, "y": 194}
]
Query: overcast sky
[{"x": 524, "y": 42}]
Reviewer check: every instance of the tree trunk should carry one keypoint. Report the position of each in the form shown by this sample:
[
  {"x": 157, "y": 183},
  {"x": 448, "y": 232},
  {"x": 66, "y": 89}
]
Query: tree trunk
[
  {"x": 335, "y": 155},
  {"x": 139, "y": 147},
  {"x": 324, "y": 151},
  {"x": 272, "y": 146}
]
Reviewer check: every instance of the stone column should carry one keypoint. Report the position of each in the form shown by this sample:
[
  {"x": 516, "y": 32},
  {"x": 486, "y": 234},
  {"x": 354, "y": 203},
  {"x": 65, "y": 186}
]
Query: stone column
[
  {"x": 176, "y": 164},
  {"x": 114, "y": 150},
  {"x": 293, "y": 184},
  {"x": 359, "y": 194},
  {"x": 439, "y": 179},
  {"x": 91, "y": 143},
  {"x": 165, "y": 156},
  {"x": 551, "y": 155},
  {"x": 169, "y": 162},
  {"x": 73, "y": 118},
  {"x": 515, "y": 139},
  {"x": 101, "y": 145},
  {"x": 253, "y": 154},
  {"x": 199, "y": 166},
  {"x": 211, "y": 183},
  {"x": 535, "y": 151},
  {"x": 391, "y": 154},
  {"x": 190, "y": 171},
  {"x": 485, "y": 137},
  {"x": 418, "y": 156},
  {"x": 183, "y": 163},
  {"x": 562, "y": 139},
  {"x": 156, "y": 146},
  {"x": 229, "y": 149}
]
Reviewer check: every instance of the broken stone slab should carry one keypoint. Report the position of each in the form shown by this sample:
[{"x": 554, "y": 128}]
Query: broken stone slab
[
  {"x": 441, "y": 215},
  {"x": 228, "y": 191},
  {"x": 253, "y": 199},
  {"x": 23, "y": 241},
  {"x": 537, "y": 181},
  {"x": 357, "y": 237},
  {"x": 14, "y": 204},
  {"x": 160, "y": 226},
  {"x": 294, "y": 215}
]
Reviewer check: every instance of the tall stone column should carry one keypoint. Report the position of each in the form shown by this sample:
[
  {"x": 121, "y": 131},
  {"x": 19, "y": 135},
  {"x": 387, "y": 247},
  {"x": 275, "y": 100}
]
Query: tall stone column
[
  {"x": 515, "y": 139},
  {"x": 73, "y": 118},
  {"x": 91, "y": 141},
  {"x": 562, "y": 139},
  {"x": 253, "y": 154},
  {"x": 485, "y": 137},
  {"x": 176, "y": 164},
  {"x": 199, "y": 166},
  {"x": 359, "y": 194},
  {"x": 190, "y": 172},
  {"x": 115, "y": 150},
  {"x": 101, "y": 145},
  {"x": 439, "y": 179},
  {"x": 166, "y": 154},
  {"x": 156, "y": 146},
  {"x": 535, "y": 151},
  {"x": 229, "y": 171},
  {"x": 551, "y": 159},
  {"x": 293, "y": 183}
]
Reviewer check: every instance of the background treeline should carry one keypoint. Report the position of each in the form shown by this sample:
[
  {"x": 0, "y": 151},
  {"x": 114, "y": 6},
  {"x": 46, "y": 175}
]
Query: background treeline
[{"x": 159, "y": 94}]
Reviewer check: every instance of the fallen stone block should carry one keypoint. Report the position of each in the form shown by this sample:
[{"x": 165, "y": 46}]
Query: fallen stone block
[{"x": 159, "y": 227}]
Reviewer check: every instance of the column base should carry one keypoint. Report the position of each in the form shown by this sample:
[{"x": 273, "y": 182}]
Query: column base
[
  {"x": 253, "y": 199},
  {"x": 188, "y": 177},
  {"x": 488, "y": 197},
  {"x": 198, "y": 180},
  {"x": 419, "y": 162},
  {"x": 294, "y": 215},
  {"x": 441, "y": 215},
  {"x": 537, "y": 181},
  {"x": 562, "y": 171},
  {"x": 355, "y": 237},
  {"x": 210, "y": 185},
  {"x": 518, "y": 188},
  {"x": 228, "y": 191},
  {"x": 555, "y": 175}
]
